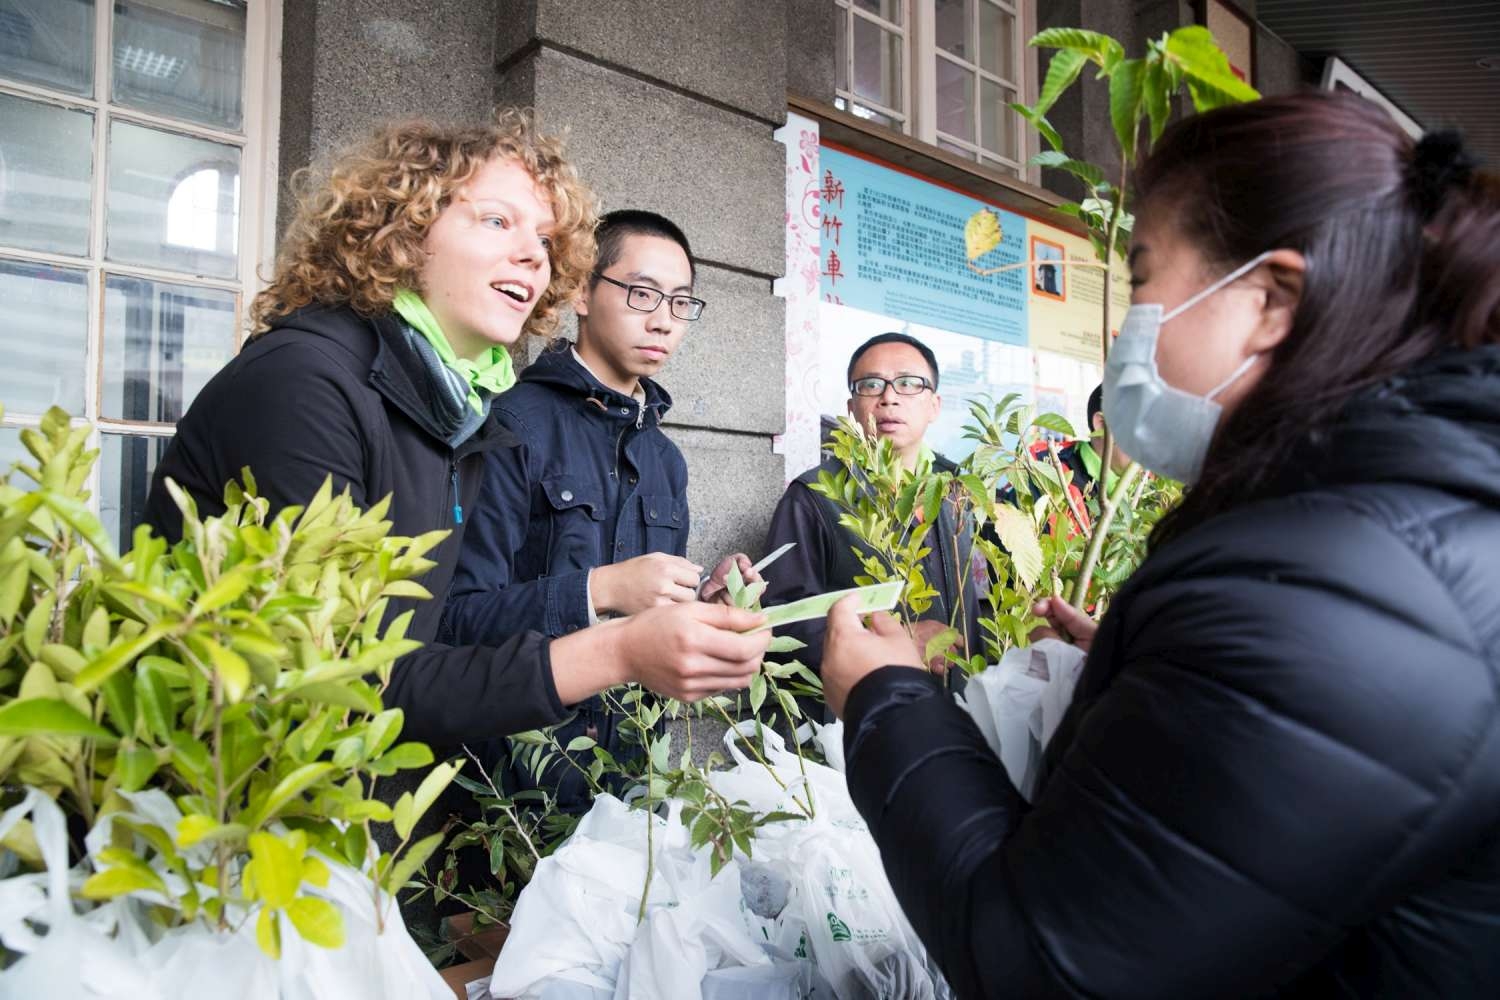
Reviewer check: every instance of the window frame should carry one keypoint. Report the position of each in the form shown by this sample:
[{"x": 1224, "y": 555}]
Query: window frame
[
  {"x": 257, "y": 141},
  {"x": 920, "y": 53}
]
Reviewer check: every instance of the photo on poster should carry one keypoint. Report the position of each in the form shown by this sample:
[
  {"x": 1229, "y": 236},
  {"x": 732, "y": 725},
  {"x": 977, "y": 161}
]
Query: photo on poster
[{"x": 1049, "y": 280}]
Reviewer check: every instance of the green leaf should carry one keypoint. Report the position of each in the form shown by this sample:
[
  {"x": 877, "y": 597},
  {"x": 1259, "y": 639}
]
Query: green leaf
[
  {"x": 404, "y": 816},
  {"x": 49, "y": 717},
  {"x": 414, "y": 858},
  {"x": 431, "y": 787},
  {"x": 154, "y": 700},
  {"x": 268, "y": 932},
  {"x": 1156, "y": 93},
  {"x": 287, "y": 789},
  {"x": 317, "y": 920},
  {"x": 757, "y": 691},
  {"x": 1062, "y": 70},
  {"x": 578, "y": 743},
  {"x": 122, "y": 879},
  {"x": 1126, "y": 85},
  {"x": 401, "y": 758},
  {"x": 939, "y": 644},
  {"x": 383, "y": 731},
  {"x": 195, "y": 828},
  {"x": 1087, "y": 172},
  {"x": 345, "y": 694},
  {"x": 1099, "y": 47},
  {"x": 1019, "y": 536},
  {"x": 278, "y": 868},
  {"x": 38, "y": 623},
  {"x": 134, "y": 768},
  {"x": 232, "y": 669},
  {"x": 226, "y": 590},
  {"x": 115, "y": 658},
  {"x": 1055, "y": 422},
  {"x": 1210, "y": 80}
]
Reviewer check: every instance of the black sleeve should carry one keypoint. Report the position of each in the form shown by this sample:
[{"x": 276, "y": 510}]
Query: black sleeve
[
  {"x": 802, "y": 572},
  {"x": 457, "y": 694},
  {"x": 1276, "y": 761}
]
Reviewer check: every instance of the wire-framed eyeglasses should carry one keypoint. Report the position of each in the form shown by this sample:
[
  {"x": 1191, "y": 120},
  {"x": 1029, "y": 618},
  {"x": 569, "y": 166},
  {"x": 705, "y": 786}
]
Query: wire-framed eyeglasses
[
  {"x": 644, "y": 298},
  {"x": 874, "y": 385}
]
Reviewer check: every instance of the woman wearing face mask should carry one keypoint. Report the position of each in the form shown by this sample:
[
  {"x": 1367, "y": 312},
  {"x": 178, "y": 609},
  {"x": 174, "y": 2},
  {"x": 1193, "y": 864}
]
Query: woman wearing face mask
[
  {"x": 380, "y": 341},
  {"x": 1281, "y": 770}
]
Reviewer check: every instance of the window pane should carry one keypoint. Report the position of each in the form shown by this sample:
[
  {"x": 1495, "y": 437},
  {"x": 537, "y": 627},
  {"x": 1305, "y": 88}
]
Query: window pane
[
  {"x": 998, "y": 121},
  {"x": 877, "y": 64},
  {"x": 183, "y": 58},
  {"x": 45, "y": 158},
  {"x": 161, "y": 344},
  {"x": 888, "y": 9},
  {"x": 955, "y": 99},
  {"x": 126, "y": 464},
  {"x": 997, "y": 44},
  {"x": 173, "y": 201},
  {"x": 953, "y": 22},
  {"x": 43, "y": 353},
  {"x": 49, "y": 43}
]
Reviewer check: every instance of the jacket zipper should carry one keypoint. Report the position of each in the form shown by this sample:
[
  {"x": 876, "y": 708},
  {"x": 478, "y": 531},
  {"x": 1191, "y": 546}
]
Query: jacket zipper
[{"x": 458, "y": 508}]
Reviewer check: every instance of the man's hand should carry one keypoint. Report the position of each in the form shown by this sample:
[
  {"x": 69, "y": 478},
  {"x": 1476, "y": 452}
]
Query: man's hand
[
  {"x": 1064, "y": 622},
  {"x": 648, "y": 581},
  {"x": 851, "y": 651},
  {"x": 716, "y": 588},
  {"x": 690, "y": 651}
]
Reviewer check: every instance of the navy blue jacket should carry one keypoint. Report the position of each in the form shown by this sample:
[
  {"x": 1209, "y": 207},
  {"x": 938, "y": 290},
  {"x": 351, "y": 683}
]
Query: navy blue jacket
[
  {"x": 594, "y": 482},
  {"x": 1280, "y": 772}
]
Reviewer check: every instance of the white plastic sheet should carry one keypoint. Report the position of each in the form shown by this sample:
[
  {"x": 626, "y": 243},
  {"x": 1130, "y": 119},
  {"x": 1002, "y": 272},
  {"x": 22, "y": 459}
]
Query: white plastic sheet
[{"x": 115, "y": 951}]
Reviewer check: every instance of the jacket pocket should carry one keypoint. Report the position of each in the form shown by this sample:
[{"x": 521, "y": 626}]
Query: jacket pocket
[
  {"x": 663, "y": 517},
  {"x": 574, "y": 511}
]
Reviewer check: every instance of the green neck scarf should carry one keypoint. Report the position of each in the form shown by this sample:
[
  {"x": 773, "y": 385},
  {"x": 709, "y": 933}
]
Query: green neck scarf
[{"x": 492, "y": 371}]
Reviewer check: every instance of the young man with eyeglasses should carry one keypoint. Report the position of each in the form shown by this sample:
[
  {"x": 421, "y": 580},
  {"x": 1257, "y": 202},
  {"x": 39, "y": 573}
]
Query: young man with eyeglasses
[
  {"x": 588, "y": 518},
  {"x": 893, "y": 383}
]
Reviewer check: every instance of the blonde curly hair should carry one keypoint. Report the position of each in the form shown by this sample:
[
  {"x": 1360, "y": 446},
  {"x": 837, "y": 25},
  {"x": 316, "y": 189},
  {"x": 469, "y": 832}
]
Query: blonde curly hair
[{"x": 362, "y": 219}]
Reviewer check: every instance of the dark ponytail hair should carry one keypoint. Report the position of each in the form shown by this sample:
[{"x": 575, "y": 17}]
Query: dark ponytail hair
[{"x": 1402, "y": 242}]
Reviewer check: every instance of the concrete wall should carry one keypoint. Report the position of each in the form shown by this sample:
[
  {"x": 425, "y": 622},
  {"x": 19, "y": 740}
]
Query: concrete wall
[{"x": 671, "y": 106}]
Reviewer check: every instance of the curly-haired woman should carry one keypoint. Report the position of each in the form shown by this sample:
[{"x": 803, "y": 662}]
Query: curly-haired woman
[
  {"x": 412, "y": 264},
  {"x": 1280, "y": 773}
]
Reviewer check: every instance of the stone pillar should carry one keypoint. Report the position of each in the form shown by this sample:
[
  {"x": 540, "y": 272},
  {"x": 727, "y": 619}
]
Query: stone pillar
[{"x": 670, "y": 106}]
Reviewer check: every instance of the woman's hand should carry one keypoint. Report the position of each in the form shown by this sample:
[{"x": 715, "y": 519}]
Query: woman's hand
[
  {"x": 716, "y": 587},
  {"x": 1064, "y": 622},
  {"x": 851, "y": 651}
]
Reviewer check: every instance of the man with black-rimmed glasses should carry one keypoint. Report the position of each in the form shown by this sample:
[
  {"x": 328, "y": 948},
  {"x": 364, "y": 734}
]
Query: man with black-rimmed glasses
[
  {"x": 893, "y": 393},
  {"x": 588, "y": 517}
]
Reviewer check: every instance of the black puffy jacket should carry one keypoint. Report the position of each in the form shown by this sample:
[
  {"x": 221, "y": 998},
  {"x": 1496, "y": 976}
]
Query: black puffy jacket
[
  {"x": 327, "y": 392},
  {"x": 1281, "y": 770}
]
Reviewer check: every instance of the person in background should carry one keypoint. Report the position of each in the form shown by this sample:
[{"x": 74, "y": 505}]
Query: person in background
[
  {"x": 588, "y": 517},
  {"x": 419, "y": 258},
  {"x": 1280, "y": 772},
  {"x": 893, "y": 383}
]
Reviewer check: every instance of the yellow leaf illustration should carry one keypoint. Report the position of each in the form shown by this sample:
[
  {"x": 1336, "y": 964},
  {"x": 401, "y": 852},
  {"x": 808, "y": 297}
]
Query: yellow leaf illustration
[{"x": 982, "y": 233}]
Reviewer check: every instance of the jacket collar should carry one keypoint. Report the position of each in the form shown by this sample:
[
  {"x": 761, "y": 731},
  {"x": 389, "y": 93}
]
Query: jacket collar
[
  {"x": 556, "y": 368},
  {"x": 382, "y": 352},
  {"x": 1436, "y": 424}
]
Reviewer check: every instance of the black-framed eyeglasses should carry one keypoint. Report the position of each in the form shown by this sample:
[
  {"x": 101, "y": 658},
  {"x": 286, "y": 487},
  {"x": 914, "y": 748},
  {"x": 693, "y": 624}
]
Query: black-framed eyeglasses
[
  {"x": 644, "y": 298},
  {"x": 874, "y": 385}
]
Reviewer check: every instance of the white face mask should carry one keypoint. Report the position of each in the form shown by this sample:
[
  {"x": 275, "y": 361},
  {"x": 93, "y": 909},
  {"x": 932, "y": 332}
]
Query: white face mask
[{"x": 1162, "y": 427}]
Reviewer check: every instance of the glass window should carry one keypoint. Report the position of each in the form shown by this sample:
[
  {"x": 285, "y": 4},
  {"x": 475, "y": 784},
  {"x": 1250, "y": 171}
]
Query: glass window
[
  {"x": 45, "y": 345},
  {"x": 997, "y": 121},
  {"x": 997, "y": 40},
  {"x": 955, "y": 100},
  {"x": 877, "y": 64},
  {"x": 888, "y": 9},
  {"x": 48, "y": 43},
  {"x": 184, "y": 60},
  {"x": 126, "y": 464},
  {"x": 953, "y": 24},
  {"x": 162, "y": 343},
  {"x": 45, "y": 167},
  {"x": 173, "y": 201}
]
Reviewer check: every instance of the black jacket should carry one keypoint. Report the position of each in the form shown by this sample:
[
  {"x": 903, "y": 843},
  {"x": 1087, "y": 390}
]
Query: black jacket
[
  {"x": 328, "y": 392},
  {"x": 824, "y": 560},
  {"x": 1281, "y": 769},
  {"x": 593, "y": 482}
]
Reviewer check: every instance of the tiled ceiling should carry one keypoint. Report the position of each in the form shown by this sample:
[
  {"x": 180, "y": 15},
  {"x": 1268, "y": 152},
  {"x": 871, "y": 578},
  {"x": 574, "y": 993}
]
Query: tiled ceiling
[{"x": 1424, "y": 55}]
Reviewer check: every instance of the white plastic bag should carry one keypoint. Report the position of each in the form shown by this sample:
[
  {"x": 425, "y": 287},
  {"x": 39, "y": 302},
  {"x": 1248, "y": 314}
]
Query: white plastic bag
[
  {"x": 1018, "y": 703},
  {"x": 115, "y": 951}
]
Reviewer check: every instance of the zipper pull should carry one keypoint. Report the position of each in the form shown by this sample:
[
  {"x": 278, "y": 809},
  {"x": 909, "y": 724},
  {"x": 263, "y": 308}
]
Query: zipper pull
[{"x": 458, "y": 509}]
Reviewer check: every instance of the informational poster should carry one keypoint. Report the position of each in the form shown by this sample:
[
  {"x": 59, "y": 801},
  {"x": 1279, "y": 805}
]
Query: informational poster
[
  {"x": 900, "y": 246},
  {"x": 893, "y": 244}
]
